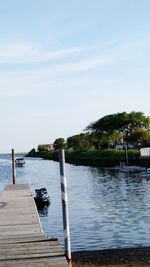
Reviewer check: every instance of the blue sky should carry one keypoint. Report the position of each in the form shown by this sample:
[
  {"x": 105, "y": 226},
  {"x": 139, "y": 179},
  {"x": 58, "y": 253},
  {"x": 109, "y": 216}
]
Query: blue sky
[{"x": 64, "y": 64}]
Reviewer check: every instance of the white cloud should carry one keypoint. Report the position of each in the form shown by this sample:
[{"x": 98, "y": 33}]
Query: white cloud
[
  {"x": 30, "y": 53},
  {"x": 86, "y": 64},
  {"x": 43, "y": 79},
  {"x": 16, "y": 53}
]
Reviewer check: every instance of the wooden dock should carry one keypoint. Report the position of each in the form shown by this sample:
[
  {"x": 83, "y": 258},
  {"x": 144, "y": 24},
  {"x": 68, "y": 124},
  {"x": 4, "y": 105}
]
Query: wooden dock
[{"x": 22, "y": 241}]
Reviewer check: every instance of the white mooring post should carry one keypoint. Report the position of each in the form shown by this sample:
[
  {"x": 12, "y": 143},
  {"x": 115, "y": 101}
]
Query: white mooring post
[
  {"x": 63, "y": 180},
  {"x": 13, "y": 167}
]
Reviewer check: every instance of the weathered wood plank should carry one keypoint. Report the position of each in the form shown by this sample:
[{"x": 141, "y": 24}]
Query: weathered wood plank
[
  {"x": 31, "y": 249},
  {"x": 47, "y": 262},
  {"x": 39, "y": 243},
  {"x": 22, "y": 239}
]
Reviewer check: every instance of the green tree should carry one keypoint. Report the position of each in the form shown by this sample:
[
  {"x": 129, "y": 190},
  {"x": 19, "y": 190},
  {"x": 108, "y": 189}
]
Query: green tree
[
  {"x": 92, "y": 141},
  {"x": 120, "y": 122},
  {"x": 139, "y": 137},
  {"x": 78, "y": 141},
  {"x": 42, "y": 148},
  {"x": 32, "y": 152},
  {"x": 114, "y": 138},
  {"x": 101, "y": 140},
  {"x": 59, "y": 143}
]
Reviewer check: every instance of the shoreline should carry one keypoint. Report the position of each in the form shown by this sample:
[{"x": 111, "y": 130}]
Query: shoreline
[
  {"x": 101, "y": 158},
  {"x": 139, "y": 256}
]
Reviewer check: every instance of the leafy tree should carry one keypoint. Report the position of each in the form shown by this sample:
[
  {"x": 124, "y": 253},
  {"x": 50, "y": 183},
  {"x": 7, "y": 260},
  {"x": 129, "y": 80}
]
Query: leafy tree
[
  {"x": 120, "y": 122},
  {"x": 138, "y": 119},
  {"x": 87, "y": 141},
  {"x": 140, "y": 137},
  {"x": 114, "y": 138},
  {"x": 78, "y": 141},
  {"x": 59, "y": 143},
  {"x": 92, "y": 141},
  {"x": 146, "y": 139},
  {"x": 42, "y": 148},
  {"x": 32, "y": 152},
  {"x": 101, "y": 140}
]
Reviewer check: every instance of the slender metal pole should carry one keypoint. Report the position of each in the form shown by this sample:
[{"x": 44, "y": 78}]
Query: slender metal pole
[
  {"x": 63, "y": 180},
  {"x": 126, "y": 154},
  {"x": 13, "y": 167}
]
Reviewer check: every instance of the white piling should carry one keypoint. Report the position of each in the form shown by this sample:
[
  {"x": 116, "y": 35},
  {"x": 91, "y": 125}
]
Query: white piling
[{"x": 63, "y": 180}]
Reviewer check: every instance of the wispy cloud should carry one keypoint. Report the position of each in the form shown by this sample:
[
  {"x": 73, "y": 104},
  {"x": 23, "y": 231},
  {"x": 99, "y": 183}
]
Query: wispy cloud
[
  {"x": 85, "y": 64},
  {"x": 46, "y": 79},
  {"x": 60, "y": 68},
  {"x": 92, "y": 56},
  {"x": 31, "y": 53}
]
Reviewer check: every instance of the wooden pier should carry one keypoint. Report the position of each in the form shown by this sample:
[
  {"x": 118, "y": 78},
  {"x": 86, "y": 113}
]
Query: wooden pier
[{"x": 22, "y": 241}]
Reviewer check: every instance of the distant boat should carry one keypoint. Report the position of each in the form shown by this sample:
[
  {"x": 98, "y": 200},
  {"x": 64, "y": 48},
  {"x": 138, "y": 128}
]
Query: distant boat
[{"x": 20, "y": 162}]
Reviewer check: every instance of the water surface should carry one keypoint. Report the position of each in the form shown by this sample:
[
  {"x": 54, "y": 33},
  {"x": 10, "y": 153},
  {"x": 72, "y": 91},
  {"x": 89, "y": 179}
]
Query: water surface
[{"x": 107, "y": 209}]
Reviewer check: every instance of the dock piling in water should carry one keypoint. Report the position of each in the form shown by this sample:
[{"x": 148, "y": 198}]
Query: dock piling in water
[{"x": 65, "y": 213}]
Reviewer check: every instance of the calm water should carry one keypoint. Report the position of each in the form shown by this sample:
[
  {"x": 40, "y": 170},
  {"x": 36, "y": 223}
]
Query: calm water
[{"x": 107, "y": 209}]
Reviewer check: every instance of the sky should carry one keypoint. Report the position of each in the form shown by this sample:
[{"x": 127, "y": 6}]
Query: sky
[{"x": 65, "y": 64}]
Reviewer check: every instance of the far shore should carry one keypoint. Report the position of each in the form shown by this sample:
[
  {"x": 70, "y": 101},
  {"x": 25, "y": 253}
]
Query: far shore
[{"x": 101, "y": 158}]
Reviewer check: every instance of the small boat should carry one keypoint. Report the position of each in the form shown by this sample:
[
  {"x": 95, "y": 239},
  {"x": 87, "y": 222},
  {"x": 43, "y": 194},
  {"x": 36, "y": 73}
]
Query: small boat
[
  {"x": 42, "y": 197},
  {"x": 20, "y": 162}
]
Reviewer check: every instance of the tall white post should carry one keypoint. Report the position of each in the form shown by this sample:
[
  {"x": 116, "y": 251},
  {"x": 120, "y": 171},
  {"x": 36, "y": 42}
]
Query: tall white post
[{"x": 63, "y": 180}]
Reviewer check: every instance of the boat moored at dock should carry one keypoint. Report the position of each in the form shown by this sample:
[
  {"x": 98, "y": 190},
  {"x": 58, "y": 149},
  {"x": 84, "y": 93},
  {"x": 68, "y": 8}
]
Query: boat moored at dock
[{"x": 42, "y": 197}]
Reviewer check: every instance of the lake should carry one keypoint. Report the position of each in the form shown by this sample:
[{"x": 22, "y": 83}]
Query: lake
[{"x": 107, "y": 209}]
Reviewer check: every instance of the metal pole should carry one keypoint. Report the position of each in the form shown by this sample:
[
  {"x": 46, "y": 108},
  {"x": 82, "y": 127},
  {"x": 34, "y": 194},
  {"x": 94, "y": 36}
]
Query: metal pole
[
  {"x": 126, "y": 154},
  {"x": 63, "y": 181},
  {"x": 13, "y": 167}
]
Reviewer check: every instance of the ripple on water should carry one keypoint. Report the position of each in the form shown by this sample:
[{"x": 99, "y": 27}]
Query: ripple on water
[{"x": 107, "y": 209}]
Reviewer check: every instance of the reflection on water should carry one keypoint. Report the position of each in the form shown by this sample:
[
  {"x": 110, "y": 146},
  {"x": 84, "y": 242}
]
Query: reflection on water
[
  {"x": 107, "y": 209},
  {"x": 43, "y": 210}
]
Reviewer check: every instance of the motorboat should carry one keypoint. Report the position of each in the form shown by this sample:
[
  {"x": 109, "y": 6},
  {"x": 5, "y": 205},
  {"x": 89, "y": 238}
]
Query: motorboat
[
  {"x": 19, "y": 162},
  {"x": 41, "y": 196}
]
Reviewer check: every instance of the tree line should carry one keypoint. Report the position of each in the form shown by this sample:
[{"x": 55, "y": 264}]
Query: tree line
[{"x": 127, "y": 129}]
